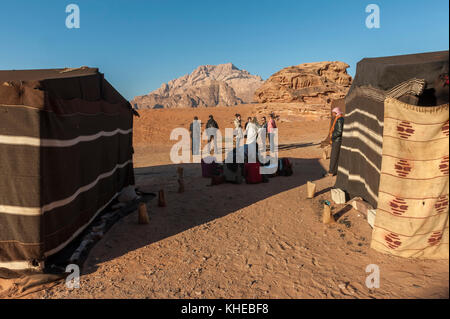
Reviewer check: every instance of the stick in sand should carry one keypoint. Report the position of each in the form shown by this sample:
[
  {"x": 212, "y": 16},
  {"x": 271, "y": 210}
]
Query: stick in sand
[
  {"x": 180, "y": 180},
  {"x": 161, "y": 199},
  {"x": 143, "y": 214},
  {"x": 326, "y": 216},
  {"x": 311, "y": 189}
]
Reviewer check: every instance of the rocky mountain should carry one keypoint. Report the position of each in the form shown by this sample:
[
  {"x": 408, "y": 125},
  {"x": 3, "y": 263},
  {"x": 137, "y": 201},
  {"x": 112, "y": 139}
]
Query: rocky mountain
[
  {"x": 312, "y": 83},
  {"x": 208, "y": 85}
]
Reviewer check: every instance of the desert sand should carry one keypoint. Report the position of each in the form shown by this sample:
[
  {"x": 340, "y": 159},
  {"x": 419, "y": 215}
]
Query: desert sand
[{"x": 243, "y": 241}]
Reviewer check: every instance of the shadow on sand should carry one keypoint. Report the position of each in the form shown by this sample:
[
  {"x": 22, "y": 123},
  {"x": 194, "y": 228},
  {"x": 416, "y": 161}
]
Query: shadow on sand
[
  {"x": 198, "y": 205},
  {"x": 287, "y": 147}
]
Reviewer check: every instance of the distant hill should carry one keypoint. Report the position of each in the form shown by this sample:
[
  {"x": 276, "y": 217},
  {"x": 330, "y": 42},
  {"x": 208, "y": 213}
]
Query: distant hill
[
  {"x": 208, "y": 85},
  {"x": 312, "y": 83}
]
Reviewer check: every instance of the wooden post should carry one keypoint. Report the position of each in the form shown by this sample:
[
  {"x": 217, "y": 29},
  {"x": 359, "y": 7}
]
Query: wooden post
[
  {"x": 143, "y": 214},
  {"x": 180, "y": 180},
  {"x": 161, "y": 199},
  {"x": 311, "y": 189},
  {"x": 326, "y": 216}
]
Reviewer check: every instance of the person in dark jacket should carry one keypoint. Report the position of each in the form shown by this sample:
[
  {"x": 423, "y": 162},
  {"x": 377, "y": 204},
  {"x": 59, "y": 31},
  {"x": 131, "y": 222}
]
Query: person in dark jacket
[
  {"x": 336, "y": 139},
  {"x": 195, "y": 130},
  {"x": 211, "y": 130}
]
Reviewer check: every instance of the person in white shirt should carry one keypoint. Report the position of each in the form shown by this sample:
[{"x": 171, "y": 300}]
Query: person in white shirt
[
  {"x": 251, "y": 142},
  {"x": 252, "y": 131},
  {"x": 238, "y": 130}
]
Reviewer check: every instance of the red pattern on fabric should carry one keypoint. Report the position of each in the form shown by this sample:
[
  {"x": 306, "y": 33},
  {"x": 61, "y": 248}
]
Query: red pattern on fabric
[
  {"x": 398, "y": 206},
  {"x": 444, "y": 165},
  {"x": 405, "y": 129},
  {"x": 446, "y": 129},
  {"x": 435, "y": 238},
  {"x": 392, "y": 240},
  {"x": 441, "y": 204},
  {"x": 403, "y": 167}
]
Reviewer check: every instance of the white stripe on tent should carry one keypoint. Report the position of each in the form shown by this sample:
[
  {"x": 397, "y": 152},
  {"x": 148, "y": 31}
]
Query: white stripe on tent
[
  {"x": 18, "y": 210},
  {"x": 365, "y": 113},
  {"x": 17, "y": 265},
  {"x": 35, "y": 211},
  {"x": 360, "y": 135},
  {"x": 22, "y": 265},
  {"x": 82, "y": 189},
  {"x": 360, "y": 179},
  {"x": 354, "y": 150},
  {"x": 35, "y": 141},
  {"x": 19, "y": 140},
  {"x": 364, "y": 129},
  {"x": 64, "y": 244}
]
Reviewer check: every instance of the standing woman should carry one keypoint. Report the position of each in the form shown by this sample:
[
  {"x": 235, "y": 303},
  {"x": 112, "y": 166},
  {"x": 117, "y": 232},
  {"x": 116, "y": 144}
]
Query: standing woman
[
  {"x": 336, "y": 139},
  {"x": 271, "y": 125},
  {"x": 264, "y": 123}
]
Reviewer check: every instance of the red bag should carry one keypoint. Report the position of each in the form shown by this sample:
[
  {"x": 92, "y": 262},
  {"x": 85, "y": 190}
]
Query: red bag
[{"x": 251, "y": 172}]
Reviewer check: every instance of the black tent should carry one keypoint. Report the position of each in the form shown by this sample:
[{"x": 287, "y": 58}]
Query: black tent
[
  {"x": 409, "y": 78},
  {"x": 66, "y": 152}
]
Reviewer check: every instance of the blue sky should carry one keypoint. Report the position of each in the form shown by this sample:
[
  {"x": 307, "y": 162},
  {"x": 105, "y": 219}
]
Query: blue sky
[{"x": 140, "y": 44}]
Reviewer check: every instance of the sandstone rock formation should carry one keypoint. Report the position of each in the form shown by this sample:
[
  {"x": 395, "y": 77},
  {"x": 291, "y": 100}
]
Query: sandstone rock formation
[
  {"x": 312, "y": 83},
  {"x": 208, "y": 85}
]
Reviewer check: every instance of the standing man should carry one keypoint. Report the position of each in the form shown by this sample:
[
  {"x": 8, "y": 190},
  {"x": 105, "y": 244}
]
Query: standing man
[
  {"x": 336, "y": 139},
  {"x": 250, "y": 147},
  {"x": 211, "y": 131},
  {"x": 195, "y": 131},
  {"x": 238, "y": 129},
  {"x": 252, "y": 131}
]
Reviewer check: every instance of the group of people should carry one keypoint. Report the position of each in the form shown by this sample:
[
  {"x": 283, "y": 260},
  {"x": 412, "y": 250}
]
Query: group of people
[
  {"x": 195, "y": 130},
  {"x": 253, "y": 129},
  {"x": 265, "y": 129},
  {"x": 249, "y": 132}
]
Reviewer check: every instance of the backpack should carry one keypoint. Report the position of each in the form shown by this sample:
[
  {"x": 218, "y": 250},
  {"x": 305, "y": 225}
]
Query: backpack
[
  {"x": 233, "y": 176},
  {"x": 211, "y": 169},
  {"x": 284, "y": 167}
]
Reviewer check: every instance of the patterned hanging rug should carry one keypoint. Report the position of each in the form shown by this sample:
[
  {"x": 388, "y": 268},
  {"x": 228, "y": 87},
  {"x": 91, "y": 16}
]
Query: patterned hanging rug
[{"x": 413, "y": 198}]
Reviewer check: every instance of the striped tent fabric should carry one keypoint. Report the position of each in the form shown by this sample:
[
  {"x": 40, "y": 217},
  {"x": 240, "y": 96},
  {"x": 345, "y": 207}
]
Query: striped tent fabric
[
  {"x": 360, "y": 156},
  {"x": 66, "y": 152},
  {"x": 412, "y": 216},
  {"x": 408, "y": 78}
]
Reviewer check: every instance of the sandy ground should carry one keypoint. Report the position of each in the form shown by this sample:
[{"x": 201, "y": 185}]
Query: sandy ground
[{"x": 243, "y": 241}]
